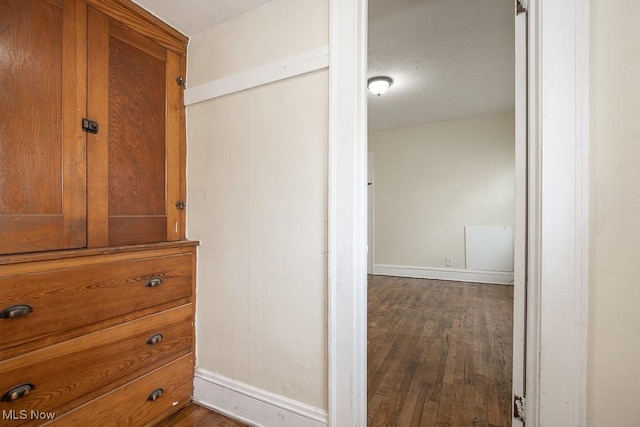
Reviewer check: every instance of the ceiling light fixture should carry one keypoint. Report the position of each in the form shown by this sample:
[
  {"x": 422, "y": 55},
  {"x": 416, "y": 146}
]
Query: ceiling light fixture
[{"x": 379, "y": 85}]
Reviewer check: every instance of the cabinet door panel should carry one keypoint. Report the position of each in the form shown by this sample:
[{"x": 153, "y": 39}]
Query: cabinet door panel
[
  {"x": 136, "y": 131},
  {"x": 128, "y": 81},
  {"x": 42, "y": 192}
]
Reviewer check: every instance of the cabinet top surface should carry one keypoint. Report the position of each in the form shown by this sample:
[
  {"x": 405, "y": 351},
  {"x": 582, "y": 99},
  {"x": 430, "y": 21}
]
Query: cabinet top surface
[{"x": 74, "y": 253}]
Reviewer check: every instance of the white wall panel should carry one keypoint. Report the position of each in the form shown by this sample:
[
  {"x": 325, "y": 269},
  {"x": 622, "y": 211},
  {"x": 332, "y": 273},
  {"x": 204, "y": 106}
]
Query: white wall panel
[
  {"x": 257, "y": 202},
  {"x": 433, "y": 180}
]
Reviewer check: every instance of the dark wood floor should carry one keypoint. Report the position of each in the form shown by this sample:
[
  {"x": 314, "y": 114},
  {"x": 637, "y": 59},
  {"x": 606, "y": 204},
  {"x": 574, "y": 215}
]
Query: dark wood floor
[
  {"x": 197, "y": 416},
  {"x": 440, "y": 353}
]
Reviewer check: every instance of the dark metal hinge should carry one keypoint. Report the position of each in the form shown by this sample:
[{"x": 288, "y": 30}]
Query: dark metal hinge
[
  {"x": 180, "y": 204},
  {"x": 521, "y": 6},
  {"x": 519, "y": 408},
  {"x": 181, "y": 82},
  {"x": 89, "y": 126}
]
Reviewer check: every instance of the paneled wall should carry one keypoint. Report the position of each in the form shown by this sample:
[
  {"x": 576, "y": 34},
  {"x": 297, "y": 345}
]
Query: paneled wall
[
  {"x": 257, "y": 201},
  {"x": 614, "y": 291}
]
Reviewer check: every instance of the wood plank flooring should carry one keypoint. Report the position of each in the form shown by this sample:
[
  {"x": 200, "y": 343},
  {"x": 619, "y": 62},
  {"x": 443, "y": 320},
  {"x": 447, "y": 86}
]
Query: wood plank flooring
[
  {"x": 197, "y": 416},
  {"x": 439, "y": 353}
]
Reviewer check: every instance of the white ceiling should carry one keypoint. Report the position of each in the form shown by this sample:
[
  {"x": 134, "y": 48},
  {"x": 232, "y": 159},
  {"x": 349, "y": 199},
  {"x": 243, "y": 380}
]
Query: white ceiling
[
  {"x": 193, "y": 16},
  {"x": 448, "y": 58}
]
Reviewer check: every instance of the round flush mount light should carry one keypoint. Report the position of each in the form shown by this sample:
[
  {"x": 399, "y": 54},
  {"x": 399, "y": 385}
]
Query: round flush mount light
[{"x": 379, "y": 85}]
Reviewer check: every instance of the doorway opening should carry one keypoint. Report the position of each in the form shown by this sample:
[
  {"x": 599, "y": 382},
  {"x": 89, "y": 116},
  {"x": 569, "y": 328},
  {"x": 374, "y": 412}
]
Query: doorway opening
[
  {"x": 441, "y": 260},
  {"x": 557, "y": 78}
]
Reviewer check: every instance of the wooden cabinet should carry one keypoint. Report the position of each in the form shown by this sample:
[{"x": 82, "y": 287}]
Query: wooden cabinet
[
  {"x": 137, "y": 406},
  {"x": 106, "y": 61},
  {"x": 106, "y": 287},
  {"x": 42, "y": 148},
  {"x": 97, "y": 360},
  {"x": 96, "y": 280},
  {"x": 134, "y": 167},
  {"x": 98, "y": 320}
]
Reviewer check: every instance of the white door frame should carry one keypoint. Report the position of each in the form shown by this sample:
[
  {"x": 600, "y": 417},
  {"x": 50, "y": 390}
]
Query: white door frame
[
  {"x": 370, "y": 214},
  {"x": 347, "y": 228},
  {"x": 520, "y": 220},
  {"x": 558, "y": 233},
  {"x": 558, "y": 222}
]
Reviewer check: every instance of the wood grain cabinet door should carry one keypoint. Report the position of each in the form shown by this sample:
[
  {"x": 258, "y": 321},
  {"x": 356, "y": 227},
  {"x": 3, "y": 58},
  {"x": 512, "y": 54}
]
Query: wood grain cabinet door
[
  {"x": 134, "y": 159},
  {"x": 42, "y": 146}
]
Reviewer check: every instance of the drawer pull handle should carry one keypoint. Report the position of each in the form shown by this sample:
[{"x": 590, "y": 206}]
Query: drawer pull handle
[
  {"x": 154, "y": 339},
  {"x": 155, "y": 395},
  {"x": 18, "y": 310},
  {"x": 153, "y": 282},
  {"x": 17, "y": 392}
]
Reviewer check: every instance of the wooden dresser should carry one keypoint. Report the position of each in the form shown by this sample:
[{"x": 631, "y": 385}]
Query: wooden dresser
[{"x": 96, "y": 278}]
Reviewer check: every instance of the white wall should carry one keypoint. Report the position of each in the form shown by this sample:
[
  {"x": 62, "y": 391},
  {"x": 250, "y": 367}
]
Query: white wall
[
  {"x": 614, "y": 290},
  {"x": 432, "y": 180},
  {"x": 273, "y": 32},
  {"x": 257, "y": 201},
  {"x": 258, "y": 324}
]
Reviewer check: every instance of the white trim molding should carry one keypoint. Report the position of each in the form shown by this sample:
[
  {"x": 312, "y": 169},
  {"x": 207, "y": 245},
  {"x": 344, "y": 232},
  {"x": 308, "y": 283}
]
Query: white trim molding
[
  {"x": 307, "y": 62},
  {"x": 453, "y": 274},
  {"x": 558, "y": 227},
  {"x": 347, "y": 226},
  {"x": 252, "y": 405},
  {"x": 557, "y": 221}
]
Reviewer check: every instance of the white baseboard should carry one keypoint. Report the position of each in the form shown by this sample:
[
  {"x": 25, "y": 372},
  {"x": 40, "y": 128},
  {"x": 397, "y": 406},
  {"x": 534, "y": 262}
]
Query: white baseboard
[
  {"x": 252, "y": 405},
  {"x": 454, "y": 274}
]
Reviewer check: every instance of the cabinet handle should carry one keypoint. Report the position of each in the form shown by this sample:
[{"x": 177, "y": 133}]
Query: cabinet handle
[
  {"x": 154, "y": 339},
  {"x": 17, "y": 392},
  {"x": 155, "y": 394},
  {"x": 17, "y": 310},
  {"x": 153, "y": 282}
]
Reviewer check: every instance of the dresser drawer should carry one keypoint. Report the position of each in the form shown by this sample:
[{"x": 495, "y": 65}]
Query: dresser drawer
[
  {"x": 70, "y": 373},
  {"x": 64, "y": 295},
  {"x": 133, "y": 404}
]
